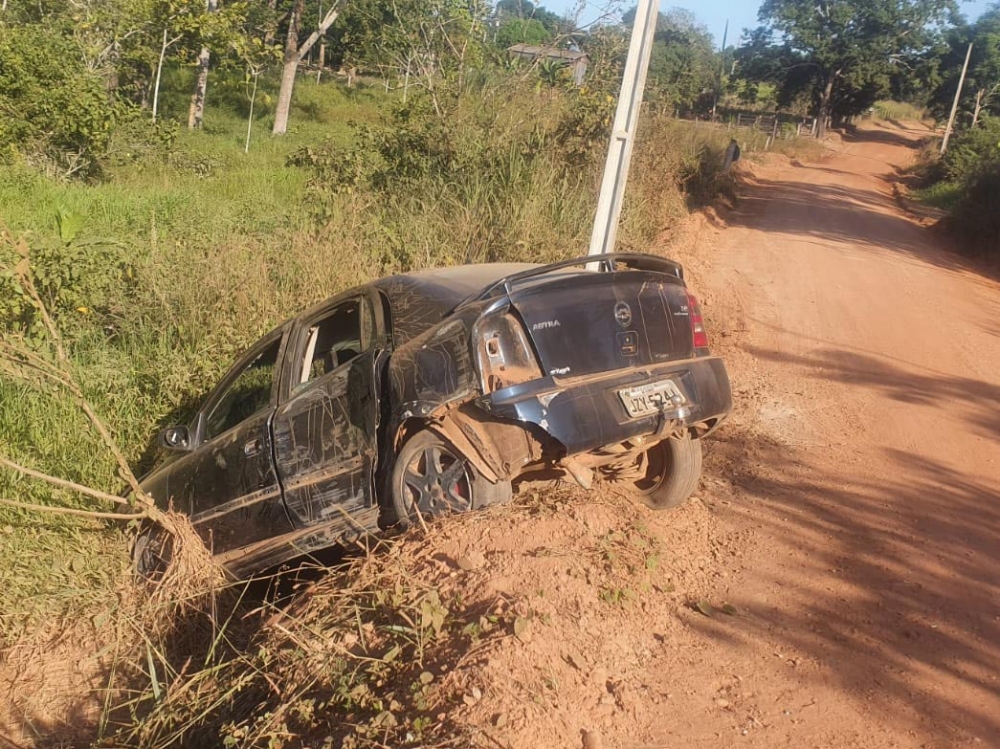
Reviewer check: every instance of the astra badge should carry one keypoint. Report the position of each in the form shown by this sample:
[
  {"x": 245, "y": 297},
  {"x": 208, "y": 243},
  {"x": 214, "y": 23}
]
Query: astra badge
[{"x": 623, "y": 314}]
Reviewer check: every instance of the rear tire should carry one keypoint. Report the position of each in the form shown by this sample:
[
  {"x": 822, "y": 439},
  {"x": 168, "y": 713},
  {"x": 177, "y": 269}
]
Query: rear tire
[
  {"x": 671, "y": 472},
  {"x": 431, "y": 477}
]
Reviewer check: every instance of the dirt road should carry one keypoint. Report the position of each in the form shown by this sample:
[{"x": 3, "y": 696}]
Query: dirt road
[{"x": 865, "y": 459}]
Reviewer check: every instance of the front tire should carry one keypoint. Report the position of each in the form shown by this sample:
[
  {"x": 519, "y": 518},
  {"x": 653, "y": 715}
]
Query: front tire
[
  {"x": 668, "y": 473},
  {"x": 430, "y": 477},
  {"x": 151, "y": 553}
]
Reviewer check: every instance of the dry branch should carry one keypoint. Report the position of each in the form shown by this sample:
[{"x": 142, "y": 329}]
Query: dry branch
[{"x": 72, "y": 511}]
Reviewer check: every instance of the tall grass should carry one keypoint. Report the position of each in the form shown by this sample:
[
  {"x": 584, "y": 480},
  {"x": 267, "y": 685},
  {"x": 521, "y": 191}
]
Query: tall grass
[
  {"x": 214, "y": 246},
  {"x": 899, "y": 110}
]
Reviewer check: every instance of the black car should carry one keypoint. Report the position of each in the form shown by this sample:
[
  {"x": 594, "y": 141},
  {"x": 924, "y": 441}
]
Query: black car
[{"x": 430, "y": 392}]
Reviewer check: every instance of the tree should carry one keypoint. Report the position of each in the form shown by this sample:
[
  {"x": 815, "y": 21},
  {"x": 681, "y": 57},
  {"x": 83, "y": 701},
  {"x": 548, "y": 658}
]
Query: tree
[
  {"x": 196, "y": 113},
  {"x": 512, "y": 30},
  {"x": 294, "y": 53},
  {"x": 683, "y": 67},
  {"x": 849, "y": 47},
  {"x": 982, "y": 89},
  {"x": 416, "y": 42}
]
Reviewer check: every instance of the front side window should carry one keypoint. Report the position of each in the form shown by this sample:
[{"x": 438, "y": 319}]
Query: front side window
[
  {"x": 334, "y": 340},
  {"x": 246, "y": 395}
]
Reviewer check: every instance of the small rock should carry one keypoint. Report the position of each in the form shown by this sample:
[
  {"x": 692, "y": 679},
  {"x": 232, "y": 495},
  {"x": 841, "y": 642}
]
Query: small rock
[
  {"x": 473, "y": 560},
  {"x": 722, "y": 703},
  {"x": 477, "y": 693},
  {"x": 500, "y": 720},
  {"x": 592, "y": 740},
  {"x": 575, "y": 660}
]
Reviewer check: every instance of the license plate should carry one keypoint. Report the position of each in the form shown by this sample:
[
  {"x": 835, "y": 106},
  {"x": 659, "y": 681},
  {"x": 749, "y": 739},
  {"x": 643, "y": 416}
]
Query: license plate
[{"x": 652, "y": 398}]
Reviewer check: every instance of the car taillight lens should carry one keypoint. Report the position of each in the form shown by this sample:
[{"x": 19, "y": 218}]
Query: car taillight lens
[
  {"x": 699, "y": 338},
  {"x": 505, "y": 355}
]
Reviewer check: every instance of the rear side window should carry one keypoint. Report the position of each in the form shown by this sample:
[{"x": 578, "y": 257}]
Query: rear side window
[
  {"x": 246, "y": 395},
  {"x": 335, "y": 339}
]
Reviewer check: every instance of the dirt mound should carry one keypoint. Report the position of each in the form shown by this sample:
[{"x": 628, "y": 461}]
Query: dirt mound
[{"x": 597, "y": 588}]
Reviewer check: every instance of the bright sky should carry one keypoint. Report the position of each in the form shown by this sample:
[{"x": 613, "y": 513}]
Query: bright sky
[{"x": 715, "y": 13}]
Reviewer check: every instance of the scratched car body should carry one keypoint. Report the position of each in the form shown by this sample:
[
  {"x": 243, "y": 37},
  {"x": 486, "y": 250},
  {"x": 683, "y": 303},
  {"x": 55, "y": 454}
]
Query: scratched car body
[{"x": 430, "y": 392}]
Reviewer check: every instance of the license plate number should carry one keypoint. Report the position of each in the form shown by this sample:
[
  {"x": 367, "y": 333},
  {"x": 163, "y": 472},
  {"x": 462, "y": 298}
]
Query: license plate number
[{"x": 652, "y": 398}]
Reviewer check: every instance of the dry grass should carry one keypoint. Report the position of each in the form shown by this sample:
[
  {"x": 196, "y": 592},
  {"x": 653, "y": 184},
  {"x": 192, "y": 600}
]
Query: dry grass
[{"x": 209, "y": 262}]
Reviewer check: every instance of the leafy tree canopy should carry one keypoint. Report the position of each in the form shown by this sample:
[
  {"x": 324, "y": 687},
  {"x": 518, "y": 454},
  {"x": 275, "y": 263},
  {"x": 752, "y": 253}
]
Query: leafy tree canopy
[{"x": 841, "y": 54}]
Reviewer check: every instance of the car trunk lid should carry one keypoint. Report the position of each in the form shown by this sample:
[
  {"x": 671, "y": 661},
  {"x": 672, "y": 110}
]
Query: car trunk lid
[{"x": 584, "y": 322}]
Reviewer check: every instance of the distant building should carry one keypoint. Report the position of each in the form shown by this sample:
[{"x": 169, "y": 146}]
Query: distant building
[{"x": 578, "y": 61}]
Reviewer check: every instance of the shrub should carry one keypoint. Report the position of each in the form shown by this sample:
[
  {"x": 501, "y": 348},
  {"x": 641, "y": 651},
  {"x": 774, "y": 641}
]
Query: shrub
[
  {"x": 977, "y": 214},
  {"x": 971, "y": 151},
  {"x": 54, "y": 111}
]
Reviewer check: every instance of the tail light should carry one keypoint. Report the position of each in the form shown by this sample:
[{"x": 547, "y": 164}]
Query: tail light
[
  {"x": 505, "y": 355},
  {"x": 699, "y": 338}
]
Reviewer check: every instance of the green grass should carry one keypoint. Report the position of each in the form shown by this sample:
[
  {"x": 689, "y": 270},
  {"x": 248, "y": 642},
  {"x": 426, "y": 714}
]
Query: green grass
[
  {"x": 899, "y": 110},
  {"x": 943, "y": 195}
]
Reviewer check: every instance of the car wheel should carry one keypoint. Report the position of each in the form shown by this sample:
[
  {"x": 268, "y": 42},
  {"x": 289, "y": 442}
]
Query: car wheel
[
  {"x": 151, "y": 553},
  {"x": 666, "y": 474},
  {"x": 430, "y": 477}
]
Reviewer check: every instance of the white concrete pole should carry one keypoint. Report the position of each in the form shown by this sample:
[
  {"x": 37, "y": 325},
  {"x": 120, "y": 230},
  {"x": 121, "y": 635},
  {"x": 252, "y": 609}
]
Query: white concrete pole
[
  {"x": 954, "y": 106},
  {"x": 609, "y": 203}
]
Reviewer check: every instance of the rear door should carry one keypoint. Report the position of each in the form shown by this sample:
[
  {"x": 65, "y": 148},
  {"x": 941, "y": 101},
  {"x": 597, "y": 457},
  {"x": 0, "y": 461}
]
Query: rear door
[
  {"x": 325, "y": 431},
  {"x": 587, "y": 322}
]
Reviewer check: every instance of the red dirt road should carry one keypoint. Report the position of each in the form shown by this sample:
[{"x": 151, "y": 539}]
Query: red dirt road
[{"x": 865, "y": 463}]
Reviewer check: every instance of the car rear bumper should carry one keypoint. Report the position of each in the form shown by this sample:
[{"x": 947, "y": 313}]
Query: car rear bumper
[{"x": 587, "y": 413}]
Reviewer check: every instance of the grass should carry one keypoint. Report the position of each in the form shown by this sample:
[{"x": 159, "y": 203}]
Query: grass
[
  {"x": 943, "y": 195},
  {"x": 898, "y": 110},
  {"x": 186, "y": 254}
]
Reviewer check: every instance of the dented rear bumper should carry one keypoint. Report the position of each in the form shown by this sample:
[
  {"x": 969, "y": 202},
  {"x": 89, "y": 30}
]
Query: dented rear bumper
[{"x": 588, "y": 413}]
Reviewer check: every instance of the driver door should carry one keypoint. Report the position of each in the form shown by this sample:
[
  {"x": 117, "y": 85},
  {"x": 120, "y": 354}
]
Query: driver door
[{"x": 229, "y": 482}]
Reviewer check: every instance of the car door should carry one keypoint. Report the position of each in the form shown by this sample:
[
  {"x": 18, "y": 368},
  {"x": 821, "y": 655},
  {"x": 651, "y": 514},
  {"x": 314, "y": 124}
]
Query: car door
[
  {"x": 229, "y": 481},
  {"x": 325, "y": 430}
]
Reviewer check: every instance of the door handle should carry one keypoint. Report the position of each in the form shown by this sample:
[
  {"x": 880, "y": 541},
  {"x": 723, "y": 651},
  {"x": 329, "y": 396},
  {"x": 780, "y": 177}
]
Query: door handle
[{"x": 252, "y": 447}]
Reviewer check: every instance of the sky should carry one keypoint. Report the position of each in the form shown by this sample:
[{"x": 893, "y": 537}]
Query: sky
[{"x": 715, "y": 13}]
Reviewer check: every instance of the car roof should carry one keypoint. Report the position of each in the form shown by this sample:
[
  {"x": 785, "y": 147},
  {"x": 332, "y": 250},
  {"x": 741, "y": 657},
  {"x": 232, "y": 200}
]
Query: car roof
[
  {"x": 421, "y": 299},
  {"x": 453, "y": 284}
]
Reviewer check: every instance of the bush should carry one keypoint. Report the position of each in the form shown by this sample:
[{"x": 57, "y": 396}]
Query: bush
[
  {"x": 53, "y": 110},
  {"x": 977, "y": 215},
  {"x": 972, "y": 151}
]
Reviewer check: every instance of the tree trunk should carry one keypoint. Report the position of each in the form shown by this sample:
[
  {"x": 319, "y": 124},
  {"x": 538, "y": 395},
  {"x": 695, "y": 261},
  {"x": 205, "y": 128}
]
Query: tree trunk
[
  {"x": 291, "y": 64},
  {"x": 980, "y": 95},
  {"x": 824, "y": 107},
  {"x": 196, "y": 113},
  {"x": 293, "y": 55},
  {"x": 322, "y": 59}
]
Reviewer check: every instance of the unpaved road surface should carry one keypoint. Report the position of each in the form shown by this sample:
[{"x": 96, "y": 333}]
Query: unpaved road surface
[{"x": 865, "y": 466}]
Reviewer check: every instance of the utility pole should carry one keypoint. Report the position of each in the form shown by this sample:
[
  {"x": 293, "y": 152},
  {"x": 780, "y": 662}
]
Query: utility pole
[
  {"x": 954, "y": 106},
  {"x": 609, "y": 203},
  {"x": 722, "y": 68}
]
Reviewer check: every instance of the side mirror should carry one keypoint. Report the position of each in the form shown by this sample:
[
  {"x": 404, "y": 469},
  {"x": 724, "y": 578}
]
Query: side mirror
[{"x": 175, "y": 438}]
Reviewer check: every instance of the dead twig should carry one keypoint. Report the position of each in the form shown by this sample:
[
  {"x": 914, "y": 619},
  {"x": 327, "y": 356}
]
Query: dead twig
[
  {"x": 63, "y": 483},
  {"x": 73, "y": 511}
]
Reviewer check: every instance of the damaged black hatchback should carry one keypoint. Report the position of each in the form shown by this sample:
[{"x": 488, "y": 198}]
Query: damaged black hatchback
[{"x": 430, "y": 392}]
